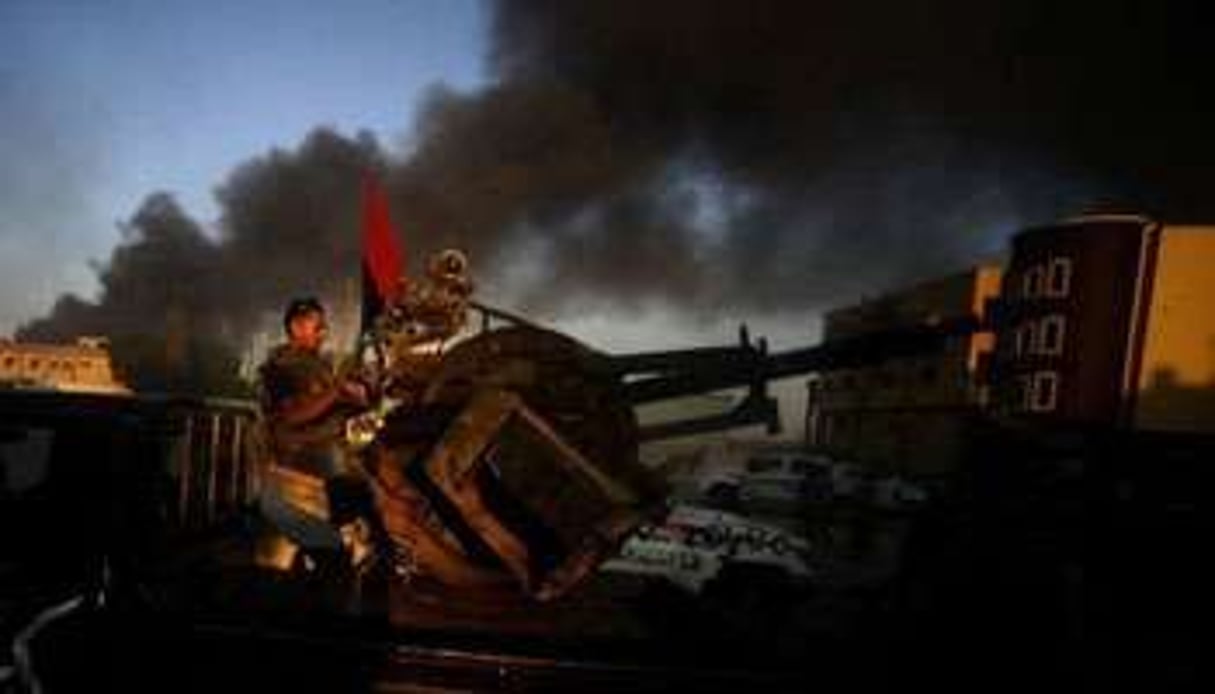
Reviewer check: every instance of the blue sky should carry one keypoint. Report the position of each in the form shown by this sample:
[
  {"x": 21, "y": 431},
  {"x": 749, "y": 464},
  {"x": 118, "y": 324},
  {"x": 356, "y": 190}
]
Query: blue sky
[{"x": 103, "y": 102}]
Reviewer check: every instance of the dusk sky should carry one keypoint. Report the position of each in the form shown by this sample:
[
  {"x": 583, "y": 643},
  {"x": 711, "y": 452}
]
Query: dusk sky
[
  {"x": 102, "y": 103},
  {"x": 641, "y": 173}
]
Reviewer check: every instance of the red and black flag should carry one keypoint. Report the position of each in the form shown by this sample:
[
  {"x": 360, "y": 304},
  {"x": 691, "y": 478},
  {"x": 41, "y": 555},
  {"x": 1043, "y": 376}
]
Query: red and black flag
[{"x": 382, "y": 258}]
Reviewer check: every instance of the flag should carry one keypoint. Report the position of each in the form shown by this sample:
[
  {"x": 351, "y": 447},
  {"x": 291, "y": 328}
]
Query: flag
[{"x": 382, "y": 258}]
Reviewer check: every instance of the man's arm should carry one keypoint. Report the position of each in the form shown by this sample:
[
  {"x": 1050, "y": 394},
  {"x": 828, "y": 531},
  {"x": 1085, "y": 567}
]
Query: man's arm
[
  {"x": 306, "y": 407},
  {"x": 298, "y": 390}
]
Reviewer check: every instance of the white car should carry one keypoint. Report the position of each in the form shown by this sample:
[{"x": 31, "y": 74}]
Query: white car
[
  {"x": 784, "y": 479},
  {"x": 693, "y": 544}
]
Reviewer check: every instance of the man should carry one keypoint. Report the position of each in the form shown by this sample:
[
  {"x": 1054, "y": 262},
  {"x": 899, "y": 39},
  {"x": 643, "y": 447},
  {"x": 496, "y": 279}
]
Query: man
[{"x": 305, "y": 406}]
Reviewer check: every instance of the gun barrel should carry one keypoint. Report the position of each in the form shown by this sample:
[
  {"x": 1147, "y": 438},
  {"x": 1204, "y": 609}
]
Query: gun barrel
[{"x": 649, "y": 377}]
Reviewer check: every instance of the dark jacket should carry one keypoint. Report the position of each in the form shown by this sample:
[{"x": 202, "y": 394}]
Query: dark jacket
[{"x": 290, "y": 372}]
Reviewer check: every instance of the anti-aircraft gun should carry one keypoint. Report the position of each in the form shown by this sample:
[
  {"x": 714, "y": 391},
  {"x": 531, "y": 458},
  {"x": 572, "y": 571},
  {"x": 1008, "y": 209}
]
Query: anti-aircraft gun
[
  {"x": 501, "y": 461},
  {"x": 506, "y": 460}
]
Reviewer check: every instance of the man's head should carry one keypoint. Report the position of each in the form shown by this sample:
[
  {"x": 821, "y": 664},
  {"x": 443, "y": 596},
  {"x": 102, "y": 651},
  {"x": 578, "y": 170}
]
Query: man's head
[{"x": 304, "y": 322}]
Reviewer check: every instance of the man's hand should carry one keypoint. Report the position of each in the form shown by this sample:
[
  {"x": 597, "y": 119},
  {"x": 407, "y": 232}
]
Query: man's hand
[{"x": 354, "y": 393}]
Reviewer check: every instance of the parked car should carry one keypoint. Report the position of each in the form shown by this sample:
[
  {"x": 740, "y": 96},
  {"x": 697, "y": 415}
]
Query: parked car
[
  {"x": 693, "y": 545},
  {"x": 784, "y": 479}
]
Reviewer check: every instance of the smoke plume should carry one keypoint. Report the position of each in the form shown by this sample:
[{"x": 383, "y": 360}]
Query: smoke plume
[
  {"x": 760, "y": 157},
  {"x": 775, "y": 156}
]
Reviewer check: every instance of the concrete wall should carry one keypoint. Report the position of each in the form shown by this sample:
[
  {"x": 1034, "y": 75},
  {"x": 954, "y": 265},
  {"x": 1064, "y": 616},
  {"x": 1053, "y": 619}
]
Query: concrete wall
[{"x": 1176, "y": 380}]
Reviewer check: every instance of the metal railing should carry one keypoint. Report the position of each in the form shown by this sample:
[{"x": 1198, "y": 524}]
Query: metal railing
[{"x": 214, "y": 454}]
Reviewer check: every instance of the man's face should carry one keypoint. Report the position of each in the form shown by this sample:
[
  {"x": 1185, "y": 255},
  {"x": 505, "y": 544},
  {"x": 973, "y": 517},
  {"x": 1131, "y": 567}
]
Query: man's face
[{"x": 308, "y": 330}]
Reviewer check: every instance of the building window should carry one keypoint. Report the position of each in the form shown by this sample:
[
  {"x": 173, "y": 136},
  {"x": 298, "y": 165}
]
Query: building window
[
  {"x": 1027, "y": 334},
  {"x": 1023, "y": 397},
  {"x": 1050, "y": 335},
  {"x": 1031, "y": 283},
  {"x": 1045, "y": 391},
  {"x": 1059, "y": 277},
  {"x": 10, "y": 362}
]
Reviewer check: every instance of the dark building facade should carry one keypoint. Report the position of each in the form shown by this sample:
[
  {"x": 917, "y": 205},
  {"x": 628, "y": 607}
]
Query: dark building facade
[
  {"x": 905, "y": 414},
  {"x": 1095, "y": 311}
]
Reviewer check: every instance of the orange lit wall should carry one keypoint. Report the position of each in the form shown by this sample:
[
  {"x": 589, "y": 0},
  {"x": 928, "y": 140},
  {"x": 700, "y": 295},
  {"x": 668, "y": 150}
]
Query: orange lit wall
[
  {"x": 1176, "y": 383},
  {"x": 987, "y": 286}
]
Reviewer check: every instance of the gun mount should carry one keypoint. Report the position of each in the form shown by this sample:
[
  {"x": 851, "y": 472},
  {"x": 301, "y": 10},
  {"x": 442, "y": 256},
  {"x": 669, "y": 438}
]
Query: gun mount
[{"x": 508, "y": 460}]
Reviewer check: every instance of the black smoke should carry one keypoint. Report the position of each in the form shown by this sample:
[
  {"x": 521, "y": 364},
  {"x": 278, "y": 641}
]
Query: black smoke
[
  {"x": 777, "y": 155},
  {"x": 751, "y": 157},
  {"x": 180, "y": 305},
  {"x": 161, "y": 305},
  {"x": 866, "y": 142}
]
